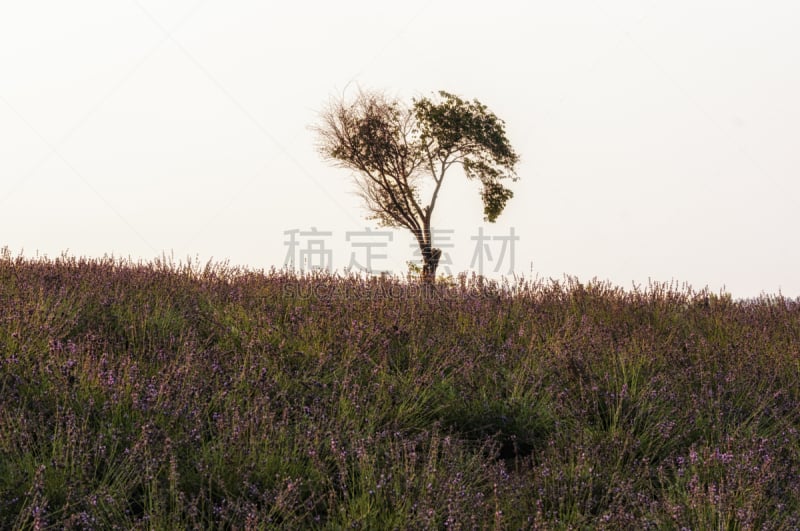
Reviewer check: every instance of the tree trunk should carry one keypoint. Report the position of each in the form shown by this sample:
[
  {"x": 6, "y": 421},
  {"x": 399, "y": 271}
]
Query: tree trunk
[{"x": 430, "y": 261}]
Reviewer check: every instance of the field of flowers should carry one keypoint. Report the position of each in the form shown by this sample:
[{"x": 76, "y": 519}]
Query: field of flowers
[{"x": 164, "y": 396}]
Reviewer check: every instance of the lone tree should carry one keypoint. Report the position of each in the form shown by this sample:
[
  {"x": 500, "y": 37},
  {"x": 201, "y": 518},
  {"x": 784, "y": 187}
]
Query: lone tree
[{"x": 400, "y": 152}]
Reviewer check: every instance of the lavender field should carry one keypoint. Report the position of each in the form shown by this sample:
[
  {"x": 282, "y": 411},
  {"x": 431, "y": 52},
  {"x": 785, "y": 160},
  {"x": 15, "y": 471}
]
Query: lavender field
[{"x": 164, "y": 396}]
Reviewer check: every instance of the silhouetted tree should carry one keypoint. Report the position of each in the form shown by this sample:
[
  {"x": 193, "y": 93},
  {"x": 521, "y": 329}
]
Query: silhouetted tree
[{"x": 400, "y": 152}]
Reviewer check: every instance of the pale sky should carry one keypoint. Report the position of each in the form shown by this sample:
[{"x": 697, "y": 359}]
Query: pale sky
[{"x": 659, "y": 140}]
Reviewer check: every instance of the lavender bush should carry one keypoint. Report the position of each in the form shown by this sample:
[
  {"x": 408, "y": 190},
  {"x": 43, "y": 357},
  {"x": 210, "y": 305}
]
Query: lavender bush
[{"x": 161, "y": 395}]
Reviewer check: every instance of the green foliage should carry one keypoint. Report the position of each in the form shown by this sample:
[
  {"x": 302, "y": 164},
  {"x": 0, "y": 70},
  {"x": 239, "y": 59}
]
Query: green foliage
[
  {"x": 395, "y": 149},
  {"x": 392, "y": 146},
  {"x": 453, "y": 129}
]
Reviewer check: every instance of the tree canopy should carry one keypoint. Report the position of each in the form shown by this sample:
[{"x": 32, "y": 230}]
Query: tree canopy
[{"x": 397, "y": 149}]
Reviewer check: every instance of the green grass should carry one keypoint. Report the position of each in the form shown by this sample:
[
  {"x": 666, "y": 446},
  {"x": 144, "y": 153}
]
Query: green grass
[{"x": 163, "y": 396}]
